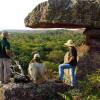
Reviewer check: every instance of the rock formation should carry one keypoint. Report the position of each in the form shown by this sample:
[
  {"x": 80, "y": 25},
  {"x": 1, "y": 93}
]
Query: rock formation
[
  {"x": 65, "y": 13},
  {"x": 72, "y": 14},
  {"x": 90, "y": 62},
  {"x": 32, "y": 91}
]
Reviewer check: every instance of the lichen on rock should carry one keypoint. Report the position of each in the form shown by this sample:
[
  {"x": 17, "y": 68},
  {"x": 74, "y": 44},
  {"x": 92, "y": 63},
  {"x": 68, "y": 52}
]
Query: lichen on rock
[{"x": 81, "y": 13}]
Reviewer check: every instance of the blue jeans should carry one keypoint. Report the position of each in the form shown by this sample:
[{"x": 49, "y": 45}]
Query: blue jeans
[{"x": 61, "y": 72}]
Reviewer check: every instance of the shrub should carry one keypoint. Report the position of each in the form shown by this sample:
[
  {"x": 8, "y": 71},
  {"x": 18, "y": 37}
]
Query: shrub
[{"x": 56, "y": 56}]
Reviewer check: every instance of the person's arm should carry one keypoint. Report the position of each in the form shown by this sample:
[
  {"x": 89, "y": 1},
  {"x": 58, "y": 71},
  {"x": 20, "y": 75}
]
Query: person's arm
[
  {"x": 70, "y": 59},
  {"x": 8, "y": 51},
  {"x": 30, "y": 69},
  {"x": 66, "y": 58}
]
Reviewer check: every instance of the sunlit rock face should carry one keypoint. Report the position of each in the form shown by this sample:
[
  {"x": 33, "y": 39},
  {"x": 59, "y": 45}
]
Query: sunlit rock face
[{"x": 65, "y": 14}]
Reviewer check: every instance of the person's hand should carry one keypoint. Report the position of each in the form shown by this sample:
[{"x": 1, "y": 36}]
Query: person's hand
[{"x": 8, "y": 52}]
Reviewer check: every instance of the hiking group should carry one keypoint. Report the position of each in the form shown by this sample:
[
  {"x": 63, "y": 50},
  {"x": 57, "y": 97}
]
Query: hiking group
[{"x": 36, "y": 67}]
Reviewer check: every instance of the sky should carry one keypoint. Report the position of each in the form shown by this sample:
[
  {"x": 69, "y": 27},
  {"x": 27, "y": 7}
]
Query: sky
[{"x": 13, "y": 12}]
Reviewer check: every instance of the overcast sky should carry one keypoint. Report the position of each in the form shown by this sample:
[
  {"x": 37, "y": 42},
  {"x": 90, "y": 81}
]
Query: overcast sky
[{"x": 13, "y": 12}]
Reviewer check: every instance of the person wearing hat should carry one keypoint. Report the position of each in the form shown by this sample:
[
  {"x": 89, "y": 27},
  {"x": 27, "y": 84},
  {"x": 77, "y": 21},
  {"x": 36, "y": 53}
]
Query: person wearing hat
[
  {"x": 36, "y": 69},
  {"x": 70, "y": 61},
  {"x": 5, "y": 54}
]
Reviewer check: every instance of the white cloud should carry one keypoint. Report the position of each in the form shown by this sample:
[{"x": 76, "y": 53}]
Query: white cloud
[{"x": 13, "y": 12}]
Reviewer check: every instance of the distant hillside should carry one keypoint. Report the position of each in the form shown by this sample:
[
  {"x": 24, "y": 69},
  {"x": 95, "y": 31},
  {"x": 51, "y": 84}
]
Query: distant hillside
[
  {"x": 40, "y": 30},
  {"x": 25, "y": 31}
]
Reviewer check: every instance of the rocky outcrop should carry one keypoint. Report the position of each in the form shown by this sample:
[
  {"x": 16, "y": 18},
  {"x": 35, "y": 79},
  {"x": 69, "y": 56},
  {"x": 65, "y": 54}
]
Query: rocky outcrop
[
  {"x": 93, "y": 38},
  {"x": 65, "y": 14},
  {"x": 89, "y": 62},
  {"x": 30, "y": 91}
]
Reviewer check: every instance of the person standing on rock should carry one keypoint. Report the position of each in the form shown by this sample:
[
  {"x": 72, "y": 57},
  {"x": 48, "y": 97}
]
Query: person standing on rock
[
  {"x": 70, "y": 61},
  {"x": 5, "y": 62}
]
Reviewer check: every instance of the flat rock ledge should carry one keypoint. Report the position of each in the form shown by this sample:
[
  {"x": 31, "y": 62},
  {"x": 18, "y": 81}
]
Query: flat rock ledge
[{"x": 30, "y": 91}]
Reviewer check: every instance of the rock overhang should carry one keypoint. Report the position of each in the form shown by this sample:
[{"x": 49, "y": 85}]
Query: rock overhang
[{"x": 65, "y": 14}]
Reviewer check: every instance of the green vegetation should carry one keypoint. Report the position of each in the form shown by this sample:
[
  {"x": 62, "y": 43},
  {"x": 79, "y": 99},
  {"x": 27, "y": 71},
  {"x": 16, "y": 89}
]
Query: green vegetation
[{"x": 50, "y": 45}]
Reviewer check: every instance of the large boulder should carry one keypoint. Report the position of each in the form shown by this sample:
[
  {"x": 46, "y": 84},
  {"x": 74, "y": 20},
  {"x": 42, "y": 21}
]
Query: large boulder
[
  {"x": 89, "y": 61},
  {"x": 65, "y": 14},
  {"x": 30, "y": 91}
]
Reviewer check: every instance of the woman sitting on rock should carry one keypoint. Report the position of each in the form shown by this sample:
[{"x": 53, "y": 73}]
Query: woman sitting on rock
[
  {"x": 36, "y": 69},
  {"x": 70, "y": 61}
]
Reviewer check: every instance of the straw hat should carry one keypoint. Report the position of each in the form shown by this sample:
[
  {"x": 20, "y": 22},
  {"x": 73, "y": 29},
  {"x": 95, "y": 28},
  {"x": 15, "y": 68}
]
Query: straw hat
[
  {"x": 69, "y": 43},
  {"x": 36, "y": 56}
]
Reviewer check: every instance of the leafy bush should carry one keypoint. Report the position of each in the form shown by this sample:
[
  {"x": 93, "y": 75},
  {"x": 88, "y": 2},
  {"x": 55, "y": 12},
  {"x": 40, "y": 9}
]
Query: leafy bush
[
  {"x": 56, "y": 56},
  {"x": 51, "y": 66}
]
